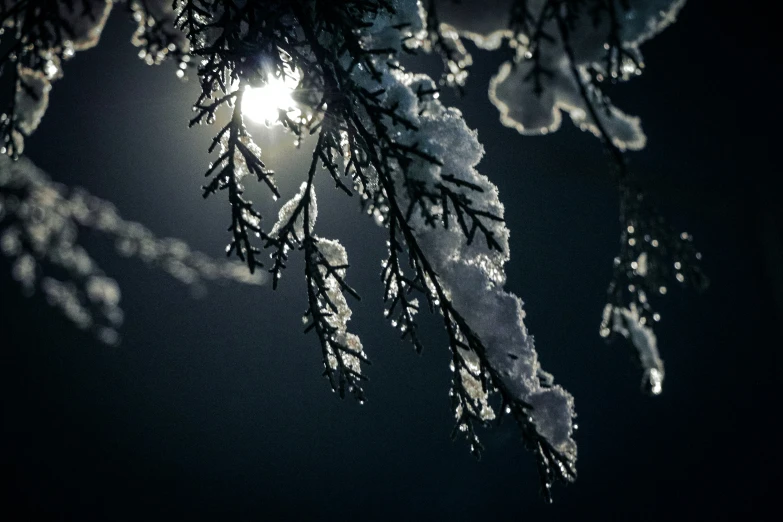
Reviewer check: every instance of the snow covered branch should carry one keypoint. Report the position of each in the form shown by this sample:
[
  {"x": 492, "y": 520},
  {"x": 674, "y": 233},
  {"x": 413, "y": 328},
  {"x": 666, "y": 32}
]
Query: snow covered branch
[
  {"x": 40, "y": 223},
  {"x": 383, "y": 135}
]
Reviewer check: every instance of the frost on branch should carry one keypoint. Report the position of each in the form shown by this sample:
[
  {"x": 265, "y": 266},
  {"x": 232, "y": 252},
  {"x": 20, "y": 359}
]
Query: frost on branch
[{"x": 39, "y": 231}]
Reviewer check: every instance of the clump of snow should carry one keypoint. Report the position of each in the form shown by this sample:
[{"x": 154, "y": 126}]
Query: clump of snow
[
  {"x": 513, "y": 90},
  {"x": 32, "y": 99},
  {"x": 335, "y": 255},
  {"x": 526, "y": 111},
  {"x": 472, "y": 273},
  {"x": 84, "y": 21},
  {"x": 394, "y": 29},
  {"x": 291, "y": 206},
  {"x": 627, "y": 322},
  {"x": 485, "y": 23}
]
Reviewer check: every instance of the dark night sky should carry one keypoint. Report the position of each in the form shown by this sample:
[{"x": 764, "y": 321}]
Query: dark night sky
[{"x": 214, "y": 409}]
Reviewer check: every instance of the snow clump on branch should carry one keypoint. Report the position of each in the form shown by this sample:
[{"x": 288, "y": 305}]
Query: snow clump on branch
[{"x": 533, "y": 89}]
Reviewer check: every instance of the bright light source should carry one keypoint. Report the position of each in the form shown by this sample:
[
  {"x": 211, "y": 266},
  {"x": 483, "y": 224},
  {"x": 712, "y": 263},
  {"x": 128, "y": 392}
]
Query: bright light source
[{"x": 263, "y": 104}]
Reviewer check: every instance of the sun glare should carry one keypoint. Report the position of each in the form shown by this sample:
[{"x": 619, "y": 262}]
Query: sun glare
[{"x": 263, "y": 104}]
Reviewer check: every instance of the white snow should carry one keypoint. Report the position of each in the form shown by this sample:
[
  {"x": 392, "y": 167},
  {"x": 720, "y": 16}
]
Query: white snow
[{"x": 486, "y": 24}]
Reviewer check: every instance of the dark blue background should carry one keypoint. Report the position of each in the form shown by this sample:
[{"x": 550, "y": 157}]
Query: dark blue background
[{"x": 214, "y": 409}]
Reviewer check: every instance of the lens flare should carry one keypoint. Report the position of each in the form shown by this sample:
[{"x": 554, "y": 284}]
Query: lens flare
[{"x": 263, "y": 104}]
